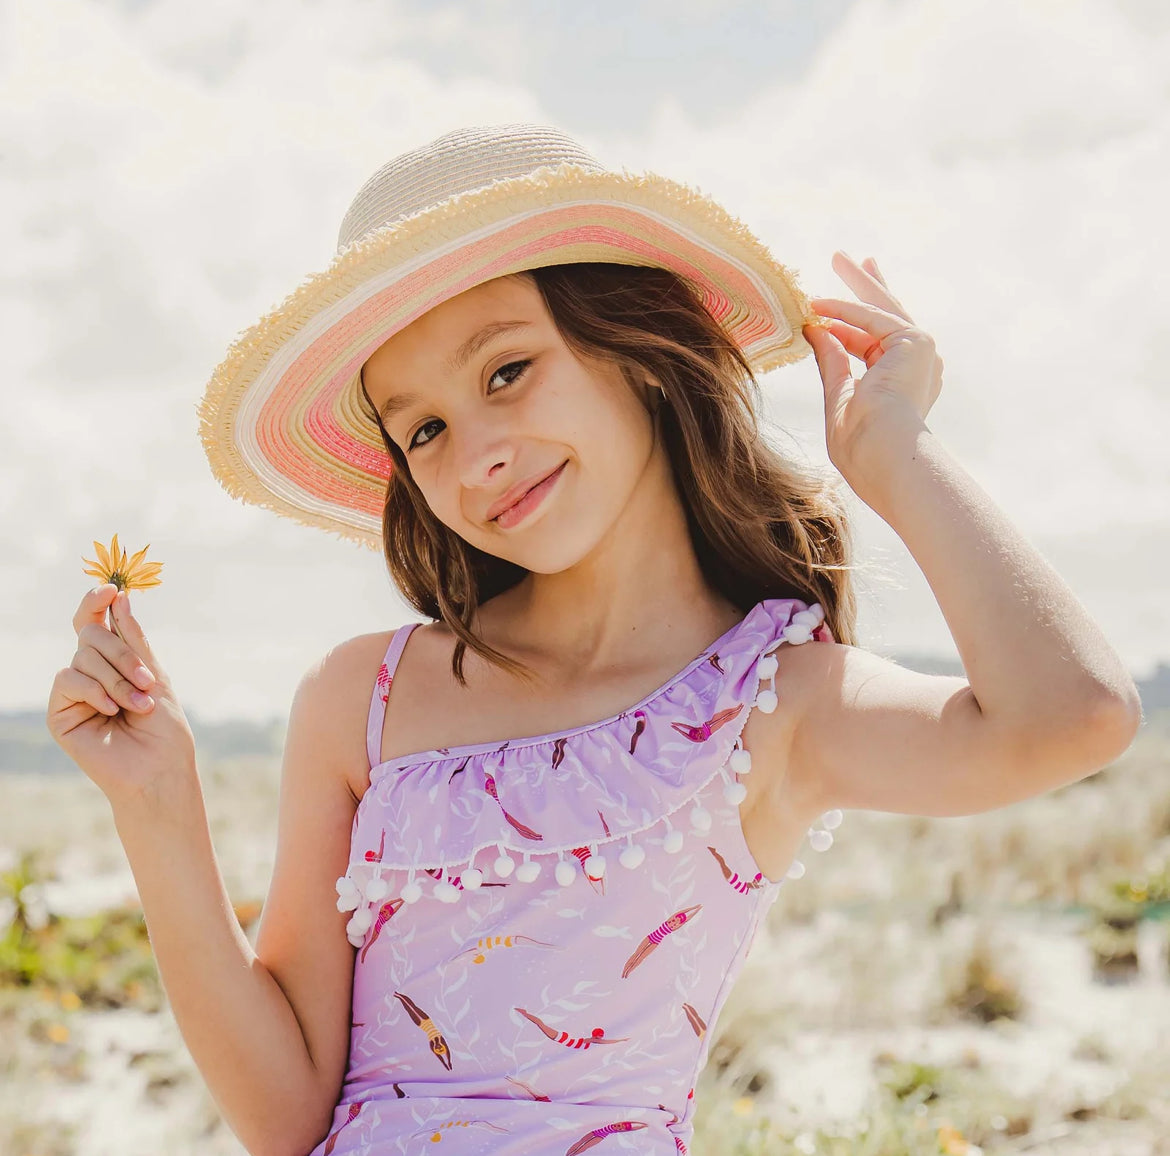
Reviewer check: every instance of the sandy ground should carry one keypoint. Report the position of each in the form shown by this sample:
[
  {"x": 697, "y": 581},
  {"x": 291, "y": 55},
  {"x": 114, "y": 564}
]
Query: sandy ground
[{"x": 860, "y": 960}]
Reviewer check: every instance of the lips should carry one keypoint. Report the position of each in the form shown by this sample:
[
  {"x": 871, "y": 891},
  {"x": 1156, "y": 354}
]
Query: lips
[{"x": 517, "y": 492}]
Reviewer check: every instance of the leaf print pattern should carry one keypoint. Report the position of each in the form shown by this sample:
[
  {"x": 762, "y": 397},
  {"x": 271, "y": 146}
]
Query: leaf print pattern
[{"x": 502, "y": 1005}]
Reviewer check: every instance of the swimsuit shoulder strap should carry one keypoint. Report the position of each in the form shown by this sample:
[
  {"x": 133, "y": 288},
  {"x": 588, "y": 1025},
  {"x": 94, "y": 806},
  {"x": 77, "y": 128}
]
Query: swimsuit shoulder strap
[{"x": 381, "y": 692}]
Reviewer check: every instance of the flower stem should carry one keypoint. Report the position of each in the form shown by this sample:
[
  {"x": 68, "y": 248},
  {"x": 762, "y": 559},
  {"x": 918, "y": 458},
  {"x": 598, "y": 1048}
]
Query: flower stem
[{"x": 114, "y": 626}]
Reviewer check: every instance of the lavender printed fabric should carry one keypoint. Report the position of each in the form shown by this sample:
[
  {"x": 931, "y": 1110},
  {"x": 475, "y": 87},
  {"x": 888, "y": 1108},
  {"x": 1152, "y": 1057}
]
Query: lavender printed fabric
[{"x": 547, "y": 928}]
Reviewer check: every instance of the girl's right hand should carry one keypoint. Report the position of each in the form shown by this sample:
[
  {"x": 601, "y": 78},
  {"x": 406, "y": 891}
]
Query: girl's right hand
[{"x": 129, "y": 748}]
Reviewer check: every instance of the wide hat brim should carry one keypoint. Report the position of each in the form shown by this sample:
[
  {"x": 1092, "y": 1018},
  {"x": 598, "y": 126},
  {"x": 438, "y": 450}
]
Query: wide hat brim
[{"x": 281, "y": 420}]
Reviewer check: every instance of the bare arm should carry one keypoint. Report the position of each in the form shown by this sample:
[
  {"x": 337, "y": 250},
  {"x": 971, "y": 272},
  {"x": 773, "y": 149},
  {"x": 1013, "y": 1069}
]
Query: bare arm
[
  {"x": 1046, "y": 699},
  {"x": 236, "y": 1021},
  {"x": 268, "y": 1028}
]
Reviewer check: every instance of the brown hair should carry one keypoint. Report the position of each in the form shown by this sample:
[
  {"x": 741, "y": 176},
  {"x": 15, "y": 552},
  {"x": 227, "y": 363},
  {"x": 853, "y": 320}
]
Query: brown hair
[{"x": 762, "y": 526}]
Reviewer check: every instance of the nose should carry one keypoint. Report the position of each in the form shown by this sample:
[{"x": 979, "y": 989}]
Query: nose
[{"x": 482, "y": 454}]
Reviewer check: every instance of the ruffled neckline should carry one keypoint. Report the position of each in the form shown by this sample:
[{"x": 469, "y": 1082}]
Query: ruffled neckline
[
  {"x": 757, "y": 614},
  {"x": 573, "y": 792}
]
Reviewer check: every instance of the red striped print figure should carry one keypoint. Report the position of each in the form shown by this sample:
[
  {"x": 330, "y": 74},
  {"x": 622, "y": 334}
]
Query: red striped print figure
[{"x": 597, "y": 1036}]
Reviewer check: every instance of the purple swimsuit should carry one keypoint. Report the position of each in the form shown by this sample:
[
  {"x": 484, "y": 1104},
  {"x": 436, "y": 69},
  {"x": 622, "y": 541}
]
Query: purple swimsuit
[{"x": 548, "y": 927}]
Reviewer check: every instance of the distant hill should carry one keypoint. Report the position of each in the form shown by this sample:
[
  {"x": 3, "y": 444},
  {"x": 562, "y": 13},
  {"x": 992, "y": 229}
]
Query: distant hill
[{"x": 25, "y": 743}]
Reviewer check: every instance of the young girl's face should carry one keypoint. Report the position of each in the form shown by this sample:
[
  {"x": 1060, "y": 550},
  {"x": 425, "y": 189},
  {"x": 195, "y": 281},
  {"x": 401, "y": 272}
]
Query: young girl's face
[{"x": 484, "y": 398}]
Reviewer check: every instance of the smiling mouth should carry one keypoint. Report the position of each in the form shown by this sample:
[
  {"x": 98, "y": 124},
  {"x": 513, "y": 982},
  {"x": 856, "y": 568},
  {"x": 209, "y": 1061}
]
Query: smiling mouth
[{"x": 523, "y": 505}]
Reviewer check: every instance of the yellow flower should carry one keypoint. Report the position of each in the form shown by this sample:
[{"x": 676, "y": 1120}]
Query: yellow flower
[{"x": 134, "y": 574}]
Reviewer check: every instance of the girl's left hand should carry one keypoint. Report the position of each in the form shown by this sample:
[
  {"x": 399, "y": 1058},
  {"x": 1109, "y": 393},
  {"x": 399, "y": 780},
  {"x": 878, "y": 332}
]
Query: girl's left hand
[{"x": 904, "y": 375}]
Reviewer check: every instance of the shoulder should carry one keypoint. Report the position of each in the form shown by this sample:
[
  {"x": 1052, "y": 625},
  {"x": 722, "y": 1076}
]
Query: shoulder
[
  {"x": 335, "y": 692},
  {"x": 809, "y": 676}
]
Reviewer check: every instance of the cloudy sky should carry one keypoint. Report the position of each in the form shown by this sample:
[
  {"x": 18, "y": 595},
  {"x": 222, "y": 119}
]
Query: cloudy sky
[{"x": 169, "y": 171}]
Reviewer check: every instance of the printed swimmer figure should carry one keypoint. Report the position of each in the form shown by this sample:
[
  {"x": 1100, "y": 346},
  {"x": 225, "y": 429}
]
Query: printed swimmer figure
[
  {"x": 354, "y": 1109},
  {"x": 376, "y": 856},
  {"x": 436, "y": 1134},
  {"x": 695, "y": 1020},
  {"x": 385, "y": 913},
  {"x": 598, "y": 1134},
  {"x": 424, "y": 1021},
  {"x": 639, "y": 727},
  {"x": 558, "y": 753},
  {"x": 384, "y": 681},
  {"x": 714, "y": 661},
  {"x": 743, "y": 886},
  {"x": 670, "y": 924},
  {"x": 531, "y": 1091},
  {"x": 488, "y": 943},
  {"x": 597, "y": 882},
  {"x": 679, "y": 1146},
  {"x": 702, "y": 733},
  {"x": 597, "y": 1036},
  {"x": 489, "y": 785}
]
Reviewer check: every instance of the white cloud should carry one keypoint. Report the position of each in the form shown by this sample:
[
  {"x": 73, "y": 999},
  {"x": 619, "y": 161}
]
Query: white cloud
[{"x": 171, "y": 171}]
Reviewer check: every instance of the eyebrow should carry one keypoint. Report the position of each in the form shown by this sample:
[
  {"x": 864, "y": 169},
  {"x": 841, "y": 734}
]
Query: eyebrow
[{"x": 400, "y": 401}]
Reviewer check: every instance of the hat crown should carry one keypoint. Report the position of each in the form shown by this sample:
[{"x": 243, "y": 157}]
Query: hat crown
[{"x": 457, "y": 162}]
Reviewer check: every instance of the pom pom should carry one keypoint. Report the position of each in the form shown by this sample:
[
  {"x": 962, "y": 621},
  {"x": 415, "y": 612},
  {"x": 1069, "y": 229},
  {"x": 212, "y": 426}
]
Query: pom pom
[
  {"x": 807, "y": 618},
  {"x": 377, "y": 889},
  {"x": 565, "y": 873},
  {"x": 673, "y": 842},
  {"x": 446, "y": 891},
  {"x": 504, "y": 866},
  {"x": 832, "y": 819},
  {"x": 740, "y": 761},
  {"x": 349, "y": 902},
  {"x": 734, "y": 793},
  {"x": 594, "y": 866},
  {"x": 360, "y": 921},
  {"x": 700, "y": 819},
  {"x": 346, "y": 886},
  {"x": 528, "y": 871},
  {"x": 767, "y": 701},
  {"x": 471, "y": 878},
  {"x": 632, "y": 856},
  {"x": 356, "y": 940},
  {"x": 411, "y": 892},
  {"x": 796, "y": 871},
  {"x": 797, "y": 632},
  {"x": 820, "y": 840},
  {"x": 767, "y": 666}
]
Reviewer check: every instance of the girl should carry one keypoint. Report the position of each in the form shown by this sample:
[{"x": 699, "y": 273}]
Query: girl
[{"x": 524, "y": 846}]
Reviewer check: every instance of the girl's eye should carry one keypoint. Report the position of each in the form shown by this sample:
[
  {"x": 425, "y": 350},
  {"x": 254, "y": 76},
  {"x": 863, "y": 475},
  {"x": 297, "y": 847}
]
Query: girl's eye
[{"x": 510, "y": 379}]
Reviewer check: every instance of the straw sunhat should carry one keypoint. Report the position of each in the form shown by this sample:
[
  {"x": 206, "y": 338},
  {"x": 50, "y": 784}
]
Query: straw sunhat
[{"x": 280, "y": 419}]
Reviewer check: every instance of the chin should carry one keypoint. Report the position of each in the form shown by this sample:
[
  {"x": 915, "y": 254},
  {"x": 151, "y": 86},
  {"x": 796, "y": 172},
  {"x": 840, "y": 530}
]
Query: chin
[{"x": 550, "y": 546}]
